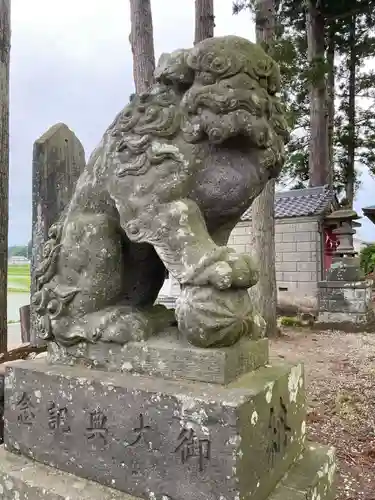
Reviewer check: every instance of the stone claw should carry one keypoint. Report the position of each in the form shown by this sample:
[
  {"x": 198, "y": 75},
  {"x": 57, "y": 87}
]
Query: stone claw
[
  {"x": 244, "y": 271},
  {"x": 237, "y": 271},
  {"x": 221, "y": 275}
]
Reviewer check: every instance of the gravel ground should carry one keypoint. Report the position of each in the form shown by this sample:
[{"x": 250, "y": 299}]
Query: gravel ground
[{"x": 340, "y": 374}]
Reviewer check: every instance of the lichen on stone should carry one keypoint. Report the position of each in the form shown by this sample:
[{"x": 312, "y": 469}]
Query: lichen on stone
[
  {"x": 149, "y": 202},
  {"x": 294, "y": 382}
]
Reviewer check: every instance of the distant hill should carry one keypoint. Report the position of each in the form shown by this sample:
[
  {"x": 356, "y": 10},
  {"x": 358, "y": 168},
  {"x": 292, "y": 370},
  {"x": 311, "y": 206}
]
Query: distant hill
[{"x": 20, "y": 251}]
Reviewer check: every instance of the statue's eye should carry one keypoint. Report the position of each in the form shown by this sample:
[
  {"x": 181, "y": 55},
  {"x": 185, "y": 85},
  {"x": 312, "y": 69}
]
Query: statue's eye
[
  {"x": 52, "y": 306},
  {"x": 144, "y": 96},
  {"x": 205, "y": 78},
  {"x": 217, "y": 63}
]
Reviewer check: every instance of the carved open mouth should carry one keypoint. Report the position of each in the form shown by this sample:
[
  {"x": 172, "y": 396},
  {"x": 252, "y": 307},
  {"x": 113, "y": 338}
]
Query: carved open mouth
[
  {"x": 239, "y": 142},
  {"x": 178, "y": 86}
]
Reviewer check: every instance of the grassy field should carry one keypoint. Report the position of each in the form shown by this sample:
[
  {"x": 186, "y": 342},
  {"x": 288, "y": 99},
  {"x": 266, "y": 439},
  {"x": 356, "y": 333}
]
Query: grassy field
[{"x": 19, "y": 278}]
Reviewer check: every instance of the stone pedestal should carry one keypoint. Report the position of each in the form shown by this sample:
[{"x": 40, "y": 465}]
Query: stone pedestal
[
  {"x": 153, "y": 434},
  {"x": 309, "y": 478},
  {"x": 345, "y": 305},
  {"x": 169, "y": 357}
]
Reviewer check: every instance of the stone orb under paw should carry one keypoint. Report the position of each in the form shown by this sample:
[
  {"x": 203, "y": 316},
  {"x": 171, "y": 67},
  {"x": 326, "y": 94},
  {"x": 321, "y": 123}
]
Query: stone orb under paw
[{"x": 209, "y": 317}]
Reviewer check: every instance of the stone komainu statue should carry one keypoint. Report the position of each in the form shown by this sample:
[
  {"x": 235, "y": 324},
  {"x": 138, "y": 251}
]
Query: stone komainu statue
[{"x": 170, "y": 179}]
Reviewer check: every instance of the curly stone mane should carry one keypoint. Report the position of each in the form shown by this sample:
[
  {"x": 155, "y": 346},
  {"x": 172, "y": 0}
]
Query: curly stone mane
[{"x": 205, "y": 95}]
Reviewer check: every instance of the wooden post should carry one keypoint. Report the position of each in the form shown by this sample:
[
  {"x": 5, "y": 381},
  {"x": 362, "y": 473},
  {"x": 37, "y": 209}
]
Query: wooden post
[
  {"x": 25, "y": 323},
  {"x": 142, "y": 44},
  {"x": 4, "y": 166},
  {"x": 204, "y": 20}
]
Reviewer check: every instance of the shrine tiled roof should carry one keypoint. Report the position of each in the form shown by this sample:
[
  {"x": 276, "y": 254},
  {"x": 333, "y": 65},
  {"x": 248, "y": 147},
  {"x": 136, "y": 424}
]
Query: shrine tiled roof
[
  {"x": 301, "y": 203},
  {"x": 370, "y": 213}
]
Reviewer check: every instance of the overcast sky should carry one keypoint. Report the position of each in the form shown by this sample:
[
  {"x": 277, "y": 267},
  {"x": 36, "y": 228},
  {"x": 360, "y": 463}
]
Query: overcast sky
[{"x": 71, "y": 62}]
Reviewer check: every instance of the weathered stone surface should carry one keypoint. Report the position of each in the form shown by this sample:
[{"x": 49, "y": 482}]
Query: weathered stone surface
[
  {"x": 345, "y": 305},
  {"x": 58, "y": 161},
  {"x": 25, "y": 479},
  {"x": 168, "y": 356},
  {"x": 144, "y": 436},
  {"x": 345, "y": 284},
  {"x": 170, "y": 179},
  {"x": 310, "y": 478},
  {"x": 352, "y": 323},
  {"x": 345, "y": 269},
  {"x": 2, "y": 383}
]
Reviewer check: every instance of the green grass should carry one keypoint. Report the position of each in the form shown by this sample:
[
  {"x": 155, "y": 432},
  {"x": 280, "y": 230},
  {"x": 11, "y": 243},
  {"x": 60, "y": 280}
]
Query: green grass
[
  {"x": 19, "y": 279},
  {"x": 290, "y": 321},
  {"x": 23, "y": 270}
]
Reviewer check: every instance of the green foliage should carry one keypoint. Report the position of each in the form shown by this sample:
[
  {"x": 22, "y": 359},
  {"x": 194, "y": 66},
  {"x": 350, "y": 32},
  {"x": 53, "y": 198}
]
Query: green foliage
[
  {"x": 367, "y": 259},
  {"x": 297, "y": 74},
  {"x": 290, "y": 51},
  {"x": 355, "y": 120},
  {"x": 18, "y": 251}
]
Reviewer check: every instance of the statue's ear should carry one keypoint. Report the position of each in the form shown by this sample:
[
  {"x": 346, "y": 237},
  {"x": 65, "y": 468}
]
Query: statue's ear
[
  {"x": 174, "y": 67},
  {"x": 162, "y": 65},
  {"x": 163, "y": 59}
]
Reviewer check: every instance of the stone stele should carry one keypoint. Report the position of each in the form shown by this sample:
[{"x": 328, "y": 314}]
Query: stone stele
[
  {"x": 58, "y": 161},
  {"x": 135, "y": 401}
]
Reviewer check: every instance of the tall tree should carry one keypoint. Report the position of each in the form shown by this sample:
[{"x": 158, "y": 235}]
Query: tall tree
[
  {"x": 290, "y": 51},
  {"x": 298, "y": 76},
  {"x": 331, "y": 80},
  {"x": 352, "y": 66},
  {"x": 264, "y": 294},
  {"x": 319, "y": 149},
  {"x": 142, "y": 44},
  {"x": 263, "y": 209},
  {"x": 4, "y": 165},
  {"x": 355, "y": 114},
  {"x": 204, "y": 20}
]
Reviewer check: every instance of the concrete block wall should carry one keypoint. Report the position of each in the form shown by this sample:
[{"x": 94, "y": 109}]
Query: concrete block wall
[
  {"x": 240, "y": 238},
  {"x": 171, "y": 288},
  {"x": 298, "y": 252},
  {"x": 298, "y": 255}
]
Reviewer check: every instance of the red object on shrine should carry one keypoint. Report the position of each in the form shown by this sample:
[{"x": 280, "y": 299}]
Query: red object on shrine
[{"x": 330, "y": 245}]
